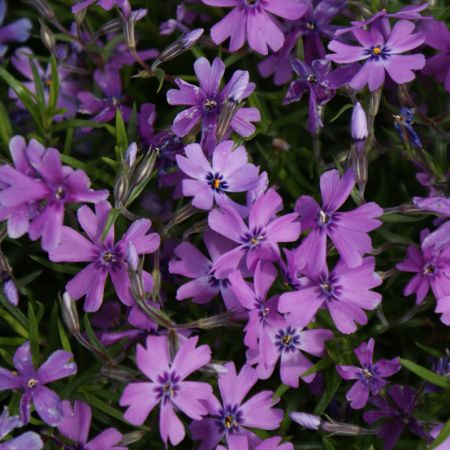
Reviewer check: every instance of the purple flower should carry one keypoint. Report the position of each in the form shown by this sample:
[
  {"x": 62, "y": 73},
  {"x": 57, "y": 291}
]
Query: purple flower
[
  {"x": 76, "y": 425},
  {"x": 437, "y": 36},
  {"x": 104, "y": 109},
  {"x": 104, "y": 256},
  {"x": 234, "y": 415},
  {"x": 33, "y": 195},
  {"x": 18, "y": 31},
  {"x": 319, "y": 83},
  {"x": 241, "y": 443},
  {"x": 288, "y": 344},
  {"x": 262, "y": 311},
  {"x": 348, "y": 230},
  {"x": 28, "y": 440},
  {"x": 398, "y": 415},
  {"x": 46, "y": 402},
  {"x": 431, "y": 268},
  {"x": 257, "y": 240},
  {"x": 345, "y": 292},
  {"x": 68, "y": 89},
  {"x": 370, "y": 376},
  {"x": 8, "y": 423},
  {"x": 381, "y": 54},
  {"x": 193, "y": 264},
  {"x": 359, "y": 123},
  {"x": 229, "y": 171},
  {"x": 252, "y": 20},
  {"x": 105, "y": 4},
  {"x": 167, "y": 386},
  {"x": 206, "y": 102}
]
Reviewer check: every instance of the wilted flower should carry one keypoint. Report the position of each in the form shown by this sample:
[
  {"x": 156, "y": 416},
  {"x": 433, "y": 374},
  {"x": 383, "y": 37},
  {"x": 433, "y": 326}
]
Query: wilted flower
[
  {"x": 167, "y": 386},
  {"x": 46, "y": 402},
  {"x": 403, "y": 124}
]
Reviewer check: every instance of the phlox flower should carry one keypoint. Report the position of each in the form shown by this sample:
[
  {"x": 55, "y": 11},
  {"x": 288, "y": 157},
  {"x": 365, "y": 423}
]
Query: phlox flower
[
  {"x": 167, "y": 386},
  {"x": 241, "y": 443}
]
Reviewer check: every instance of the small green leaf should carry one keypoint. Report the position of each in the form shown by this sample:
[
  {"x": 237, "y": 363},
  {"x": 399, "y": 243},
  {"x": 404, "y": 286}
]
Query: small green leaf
[
  {"x": 54, "y": 84},
  {"x": 112, "y": 217},
  {"x": 64, "y": 339},
  {"x": 341, "y": 111},
  {"x": 33, "y": 331},
  {"x": 426, "y": 374},
  {"x": 5, "y": 126},
  {"x": 443, "y": 435},
  {"x": 121, "y": 135},
  {"x": 160, "y": 75}
]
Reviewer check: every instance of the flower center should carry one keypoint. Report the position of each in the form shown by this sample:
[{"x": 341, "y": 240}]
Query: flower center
[
  {"x": 310, "y": 25},
  {"x": 60, "y": 193},
  {"x": 429, "y": 269},
  {"x": 109, "y": 257},
  {"x": 168, "y": 386},
  {"x": 324, "y": 218},
  {"x": 311, "y": 78},
  {"x": 377, "y": 52},
  {"x": 32, "y": 383},
  {"x": 287, "y": 340},
  {"x": 216, "y": 181},
  {"x": 251, "y": 2},
  {"x": 229, "y": 419},
  {"x": 367, "y": 374},
  {"x": 210, "y": 105},
  {"x": 254, "y": 238}
]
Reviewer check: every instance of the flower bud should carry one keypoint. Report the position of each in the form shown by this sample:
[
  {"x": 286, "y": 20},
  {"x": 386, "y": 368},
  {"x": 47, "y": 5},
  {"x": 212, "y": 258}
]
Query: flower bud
[
  {"x": 183, "y": 43},
  {"x": 43, "y": 8},
  {"x": 359, "y": 123},
  {"x": 145, "y": 168},
  {"x": 121, "y": 189},
  {"x": 47, "y": 37},
  {"x": 131, "y": 153},
  {"x": 10, "y": 291},
  {"x": 70, "y": 314},
  {"x": 132, "y": 256},
  {"x": 306, "y": 420}
]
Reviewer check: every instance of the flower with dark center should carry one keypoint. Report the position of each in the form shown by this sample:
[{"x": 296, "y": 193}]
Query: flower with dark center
[{"x": 229, "y": 419}]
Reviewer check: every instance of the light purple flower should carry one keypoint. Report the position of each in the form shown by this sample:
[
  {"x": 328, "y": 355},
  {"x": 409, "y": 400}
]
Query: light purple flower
[
  {"x": 370, "y": 376},
  {"x": 437, "y": 36},
  {"x": 209, "y": 182},
  {"x": 46, "y": 402},
  {"x": 241, "y": 443},
  {"x": 167, "y": 386},
  {"x": 193, "y": 264},
  {"x": 76, "y": 425},
  {"x": 359, "y": 123},
  {"x": 257, "y": 240},
  {"x": 397, "y": 415},
  {"x": 105, "y": 4},
  {"x": 381, "y": 54},
  {"x": 8, "y": 423},
  {"x": 29, "y": 441},
  {"x": 33, "y": 195},
  {"x": 234, "y": 415},
  {"x": 18, "y": 31},
  {"x": 288, "y": 343},
  {"x": 68, "y": 88},
  {"x": 252, "y": 20},
  {"x": 348, "y": 230},
  {"x": 206, "y": 102},
  {"x": 345, "y": 292},
  {"x": 431, "y": 268},
  {"x": 104, "y": 256},
  {"x": 104, "y": 109}
]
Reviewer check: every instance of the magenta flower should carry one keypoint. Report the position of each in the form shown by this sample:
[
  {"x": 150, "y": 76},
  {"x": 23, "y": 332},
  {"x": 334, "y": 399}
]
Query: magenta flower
[
  {"x": 431, "y": 268},
  {"x": 209, "y": 183},
  {"x": 381, "y": 54},
  {"x": 104, "y": 256},
  {"x": 397, "y": 415},
  {"x": 76, "y": 425},
  {"x": 37, "y": 191},
  {"x": 348, "y": 230},
  {"x": 104, "y": 109},
  {"x": 206, "y": 102},
  {"x": 252, "y": 20},
  {"x": 370, "y": 377},
  {"x": 241, "y": 443},
  {"x": 289, "y": 343},
  {"x": 233, "y": 415},
  {"x": 193, "y": 264},
  {"x": 345, "y": 292},
  {"x": 46, "y": 402},
  {"x": 258, "y": 240},
  {"x": 167, "y": 386}
]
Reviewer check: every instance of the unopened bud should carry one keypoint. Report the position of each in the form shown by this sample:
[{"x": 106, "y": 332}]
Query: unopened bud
[
  {"x": 359, "y": 123},
  {"x": 47, "y": 37},
  {"x": 132, "y": 256},
  {"x": 10, "y": 291},
  {"x": 182, "y": 44},
  {"x": 306, "y": 420},
  {"x": 119, "y": 374},
  {"x": 239, "y": 86},
  {"x": 121, "y": 189},
  {"x": 43, "y": 8},
  {"x": 70, "y": 314},
  {"x": 280, "y": 144},
  {"x": 129, "y": 438},
  {"x": 145, "y": 168},
  {"x": 137, "y": 286},
  {"x": 131, "y": 153}
]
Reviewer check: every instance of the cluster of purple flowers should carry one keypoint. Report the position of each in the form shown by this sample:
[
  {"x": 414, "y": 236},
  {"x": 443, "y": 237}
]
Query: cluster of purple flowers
[{"x": 299, "y": 277}]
